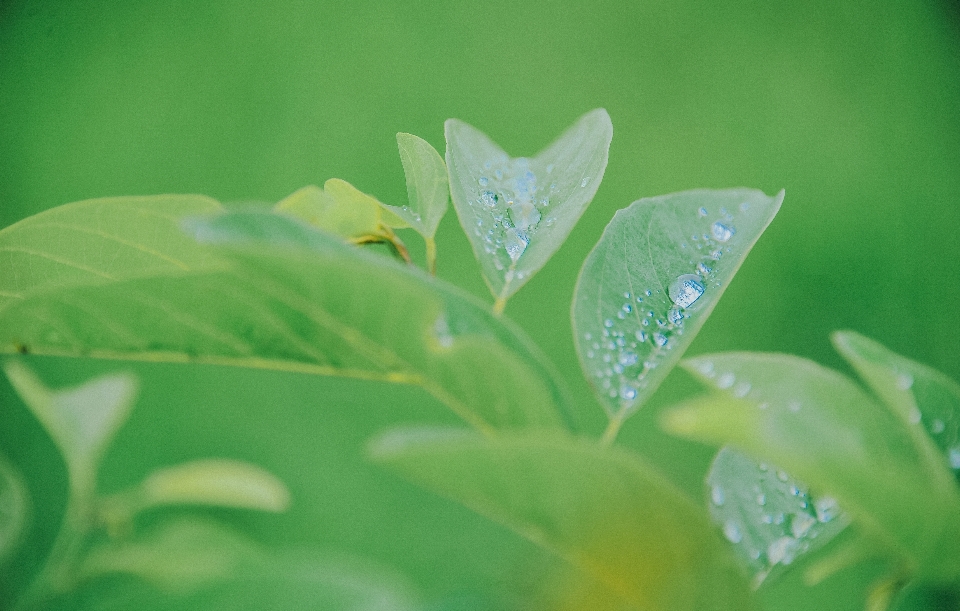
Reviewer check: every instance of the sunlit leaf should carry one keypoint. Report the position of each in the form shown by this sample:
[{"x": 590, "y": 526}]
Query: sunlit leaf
[
  {"x": 81, "y": 420},
  {"x": 100, "y": 240},
  {"x": 652, "y": 280},
  {"x": 428, "y": 189},
  {"x": 919, "y": 394},
  {"x": 518, "y": 211},
  {"x": 338, "y": 208},
  {"x": 217, "y": 482},
  {"x": 297, "y": 300},
  {"x": 770, "y": 518},
  {"x": 823, "y": 429},
  {"x": 602, "y": 509},
  {"x": 13, "y": 508}
]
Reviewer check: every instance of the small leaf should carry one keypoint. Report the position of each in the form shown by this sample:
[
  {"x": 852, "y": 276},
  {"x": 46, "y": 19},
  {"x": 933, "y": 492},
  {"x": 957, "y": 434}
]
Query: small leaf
[
  {"x": 770, "y": 518},
  {"x": 218, "y": 482},
  {"x": 14, "y": 503},
  {"x": 100, "y": 240},
  {"x": 823, "y": 429},
  {"x": 177, "y": 556},
  {"x": 81, "y": 420},
  {"x": 339, "y": 208},
  {"x": 518, "y": 211},
  {"x": 652, "y": 280},
  {"x": 428, "y": 190},
  {"x": 919, "y": 394},
  {"x": 600, "y": 508}
]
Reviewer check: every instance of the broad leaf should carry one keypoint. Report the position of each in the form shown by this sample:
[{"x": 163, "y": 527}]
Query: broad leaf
[
  {"x": 80, "y": 420},
  {"x": 770, "y": 518},
  {"x": 100, "y": 240},
  {"x": 13, "y": 508},
  {"x": 822, "y": 428},
  {"x": 518, "y": 211},
  {"x": 919, "y": 394},
  {"x": 298, "y": 300},
  {"x": 428, "y": 189},
  {"x": 338, "y": 208},
  {"x": 652, "y": 280},
  {"x": 602, "y": 509},
  {"x": 217, "y": 482}
]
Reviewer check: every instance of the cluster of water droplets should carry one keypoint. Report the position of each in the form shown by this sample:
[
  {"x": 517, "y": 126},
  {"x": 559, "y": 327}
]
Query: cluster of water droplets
[
  {"x": 943, "y": 427},
  {"x": 771, "y": 517},
  {"x": 642, "y": 329}
]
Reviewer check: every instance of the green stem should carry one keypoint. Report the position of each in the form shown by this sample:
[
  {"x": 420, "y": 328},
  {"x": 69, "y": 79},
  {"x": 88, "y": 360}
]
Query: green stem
[
  {"x": 613, "y": 427},
  {"x": 431, "y": 255}
]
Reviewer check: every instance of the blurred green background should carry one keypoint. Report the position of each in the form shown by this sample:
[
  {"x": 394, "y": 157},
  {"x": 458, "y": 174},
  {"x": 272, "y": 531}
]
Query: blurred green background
[{"x": 852, "y": 106}]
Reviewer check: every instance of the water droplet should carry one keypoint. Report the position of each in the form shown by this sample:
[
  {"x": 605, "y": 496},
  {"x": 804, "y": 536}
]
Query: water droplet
[
  {"x": 441, "y": 332},
  {"x": 549, "y": 168},
  {"x": 741, "y": 390},
  {"x": 914, "y": 416},
  {"x": 717, "y": 496},
  {"x": 937, "y": 427},
  {"x": 489, "y": 198},
  {"x": 731, "y": 530},
  {"x": 483, "y": 181},
  {"x": 721, "y": 233},
  {"x": 627, "y": 308},
  {"x": 590, "y": 354},
  {"x": 608, "y": 323},
  {"x": 702, "y": 212},
  {"x": 686, "y": 290},
  {"x": 587, "y": 336},
  {"x": 826, "y": 508},
  {"x": 675, "y": 316},
  {"x": 515, "y": 242},
  {"x": 524, "y": 215},
  {"x": 800, "y": 524},
  {"x": 705, "y": 368},
  {"x": 627, "y": 392},
  {"x": 761, "y": 499},
  {"x": 498, "y": 174},
  {"x": 794, "y": 406},
  {"x": 904, "y": 381},
  {"x": 726, "y": 380},
  {"x": 628, "y": 358},
  {"x": 660, "y": 339},
  {"x": 583, "y": 183},
  {"x": 640, "y": 335},
  {"x": 744, "y": 206},
  {"x": 648, "y": 292},
  {"x": 782, "y": 476},
  {"x": 953, "y": 455},
  {"x": 782, "y": 551}
]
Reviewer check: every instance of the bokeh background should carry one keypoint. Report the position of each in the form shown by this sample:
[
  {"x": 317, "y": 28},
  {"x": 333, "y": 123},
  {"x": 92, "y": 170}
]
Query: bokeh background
[{"x": 852, "y": 106}]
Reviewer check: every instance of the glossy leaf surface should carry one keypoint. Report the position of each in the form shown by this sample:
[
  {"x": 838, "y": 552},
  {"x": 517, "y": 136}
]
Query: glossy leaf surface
[
  {"x": 652, "y": 280},
  {"x": 602, "y": 509},
  {"x": 518, "y": 211}
]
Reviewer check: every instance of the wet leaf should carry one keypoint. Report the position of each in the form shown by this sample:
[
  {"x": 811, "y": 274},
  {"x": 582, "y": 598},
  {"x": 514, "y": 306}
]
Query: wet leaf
[
  {"x": 823, "y": 429},
  {"x": 14, "y": 505},
  {"x": 428, "y": 190},
  {"x": 298, "y": 300},
  {"x": 518, "y": 211},
  {"x": 602, "y": 509},
  {"x": 917, "y": 393},
  {"x": 81, "y": 420},
  {"x": 770, "y": 518},
  {"x": 652, "y": 280}
]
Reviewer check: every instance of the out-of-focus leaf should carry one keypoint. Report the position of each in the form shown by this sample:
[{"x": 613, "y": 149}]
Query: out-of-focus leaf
[
  {"x": 218, "y": 482},
  {"x": 100, "y": 240},
  {"x": 428, "y": 189},
  {"x": 297, "y": 300},
  {"x": 338, "y": 208},
  {"x": 14, "y": 505},
  {"x": 822, "y": 428},
  {"x": 652, "y": 280},
  {"x": 518, "y": 211},
  {"x": 602, "y": 509},
  {"x": 919, "y": 394},
  {"x": 770, "y": 518},
  {"x": 81, "y": 420}
]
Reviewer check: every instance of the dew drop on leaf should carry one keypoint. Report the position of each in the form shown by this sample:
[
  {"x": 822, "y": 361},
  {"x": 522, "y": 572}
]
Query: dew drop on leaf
[
  {"x": 721, "y": 233},
  {"x": 686, "y": 290}
]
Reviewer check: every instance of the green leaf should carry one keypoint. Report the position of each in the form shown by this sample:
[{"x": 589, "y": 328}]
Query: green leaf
[
  {"x": 213, "y": 481},
  {"x": 602, "y": 509},
  {"x": 770, "y": 518},
  {"x": 298, "y": 300},
  {"x": 100, "y": 240},
  {"x": 917, "y": 393},
  {"x": 823, "y": 429},
  {"x": 518, "y": 211},
  {"x": 652, "y": 280},
  {"x": 14, "y": 504},
  {"x": 339, "y": 208},
  {"x": 178, "y": 556},
  {"x": 428, "y": 190},
  {"x": 81, "y": 420}
]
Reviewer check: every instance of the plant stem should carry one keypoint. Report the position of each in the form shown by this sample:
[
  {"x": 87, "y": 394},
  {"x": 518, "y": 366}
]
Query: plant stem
[
  {"x": 431, "y": 255},
  {"x": 499, "y": 305},
  {"x": 613, "y": 427}
]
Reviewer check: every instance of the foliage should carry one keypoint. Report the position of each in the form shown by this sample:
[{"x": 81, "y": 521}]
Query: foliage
[{"x": 181, "y": 279}]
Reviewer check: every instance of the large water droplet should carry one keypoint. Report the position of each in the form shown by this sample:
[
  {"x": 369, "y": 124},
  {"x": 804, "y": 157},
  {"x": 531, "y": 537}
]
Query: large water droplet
[
  {"x": 628, "y": 358},
  {"x": 685, "y": 290},
  {"x": 515, "y": 242},
  {"x": 627, "y": 392},
  {"x": 726, "y": 380},
  {"x": 721, "y": 232},
  {"x": 489, "y": 198},
  {"x": 524, "y": 215},
  {"x": 717, "y": 496},
  {"x": 731, "y": 530}
]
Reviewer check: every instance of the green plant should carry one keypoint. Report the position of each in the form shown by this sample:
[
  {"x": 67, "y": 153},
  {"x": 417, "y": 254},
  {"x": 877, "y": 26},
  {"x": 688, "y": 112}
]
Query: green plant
[{"x": 181, "y": 279}]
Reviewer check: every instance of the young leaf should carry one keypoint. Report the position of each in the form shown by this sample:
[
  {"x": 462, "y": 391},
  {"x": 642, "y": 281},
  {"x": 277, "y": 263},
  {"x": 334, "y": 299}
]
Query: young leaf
[
  {"x": 518, "y": 211},
  {"x": 602, "y": 509},
  {"x": 13, "y": 508},
  {"x": 338, "y": 208},
  {"x": 919, "y": 394},
  {"x": 428, "y": 190},
  {"x": 213, "y": 481},
  {"x": 821, "y": 428},
  {"x": 652, "y": 280},
  {"x": 80, "y": 420},
  {"x": 100, "y": 240},
  {"x": 295, "y": 299},
  {"x": 770, "y": 518}
]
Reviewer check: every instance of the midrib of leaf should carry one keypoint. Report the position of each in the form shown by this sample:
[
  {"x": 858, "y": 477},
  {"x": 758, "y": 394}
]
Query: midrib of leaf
[{"x": 55, "y": 259}]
